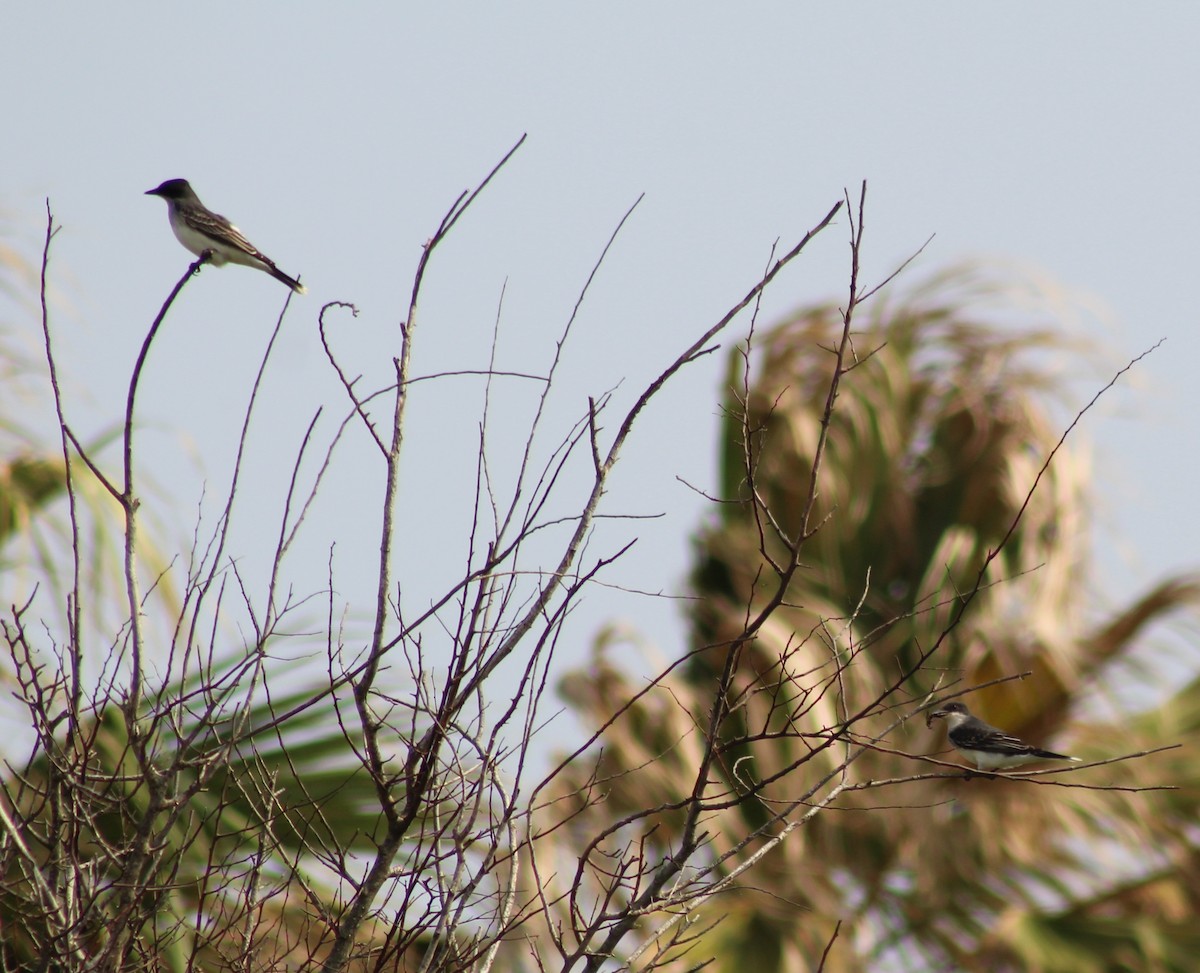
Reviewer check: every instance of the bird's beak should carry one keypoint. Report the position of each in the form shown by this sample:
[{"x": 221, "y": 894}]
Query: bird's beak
[
  {"x": 933, "y": 714},
  {"x": 152, "y": 192}
]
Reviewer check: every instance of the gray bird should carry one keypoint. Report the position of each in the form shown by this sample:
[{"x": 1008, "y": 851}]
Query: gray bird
[
  {"x": 990, "y": 748},
  {"x": 199, "y": 228}
]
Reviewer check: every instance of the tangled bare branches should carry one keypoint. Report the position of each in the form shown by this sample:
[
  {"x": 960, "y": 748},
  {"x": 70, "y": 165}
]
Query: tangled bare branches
[{"x": 188, "y": 806}]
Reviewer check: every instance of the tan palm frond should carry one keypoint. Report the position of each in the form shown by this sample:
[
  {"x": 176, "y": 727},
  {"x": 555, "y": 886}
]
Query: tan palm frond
[{"x": 938, "y": 437}]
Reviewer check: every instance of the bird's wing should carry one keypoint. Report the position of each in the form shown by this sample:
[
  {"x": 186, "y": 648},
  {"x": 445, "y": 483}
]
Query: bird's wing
[
  {"x": 220, "y": 229},
  {"x": 977, "y": 735}
]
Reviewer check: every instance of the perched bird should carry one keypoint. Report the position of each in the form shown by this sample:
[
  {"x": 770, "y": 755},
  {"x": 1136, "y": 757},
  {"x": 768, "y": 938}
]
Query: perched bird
[
  {"x": 199, "y": 228},
  {"x": 989, "y": 747}
]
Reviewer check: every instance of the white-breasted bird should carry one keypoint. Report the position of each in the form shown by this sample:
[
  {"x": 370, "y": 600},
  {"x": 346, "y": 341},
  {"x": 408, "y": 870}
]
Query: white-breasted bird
[
  {"x": 199, "y": 229},
  {"x": 989, "y": 747}
]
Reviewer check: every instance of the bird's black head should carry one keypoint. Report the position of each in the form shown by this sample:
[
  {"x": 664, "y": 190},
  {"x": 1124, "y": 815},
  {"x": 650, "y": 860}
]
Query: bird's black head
[
  {"x": 943, "y": 711},
  {"x": 172, "y": 189}
]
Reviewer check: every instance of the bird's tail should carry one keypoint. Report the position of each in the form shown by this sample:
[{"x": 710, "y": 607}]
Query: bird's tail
[
  {"x": 284, "y": 278},
  {"x": 1051, "y": 755}
]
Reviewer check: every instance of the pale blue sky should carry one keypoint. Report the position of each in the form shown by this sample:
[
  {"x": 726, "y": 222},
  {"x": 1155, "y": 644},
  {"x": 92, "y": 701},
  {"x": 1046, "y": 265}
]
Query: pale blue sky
[{"x": 1062, "y": 137}]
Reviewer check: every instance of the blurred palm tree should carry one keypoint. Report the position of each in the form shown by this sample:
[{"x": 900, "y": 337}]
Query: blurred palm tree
[{"x": 938, "y": 435}]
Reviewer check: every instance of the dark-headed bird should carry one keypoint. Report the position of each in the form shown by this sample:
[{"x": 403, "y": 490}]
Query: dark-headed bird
[
  {"x": 199, "y": 229},
  {"x": 990, "y": 748}
]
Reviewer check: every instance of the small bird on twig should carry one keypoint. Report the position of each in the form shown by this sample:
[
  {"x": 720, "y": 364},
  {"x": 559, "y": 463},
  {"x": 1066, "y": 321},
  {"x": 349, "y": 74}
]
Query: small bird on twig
[
  {"x": 990, "y": 748},
  {"x": 200, "y": 229}
]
